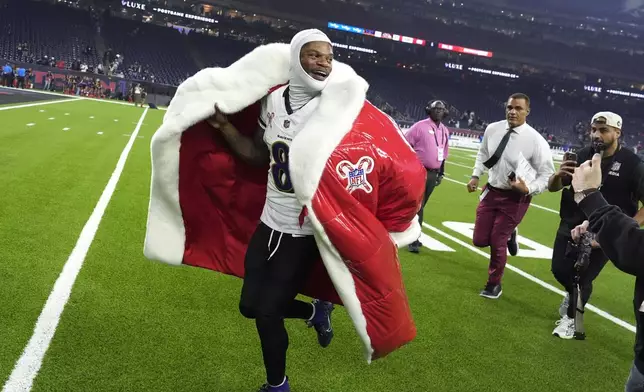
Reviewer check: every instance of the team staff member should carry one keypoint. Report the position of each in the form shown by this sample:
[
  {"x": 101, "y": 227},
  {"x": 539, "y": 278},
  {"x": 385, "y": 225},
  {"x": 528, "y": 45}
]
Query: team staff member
[
  {"x": 622, "y": 241},
  {"x": 510, "y": 149},
  {"x": 430, "y": 139},
  {"x": 623, "y": 186}
]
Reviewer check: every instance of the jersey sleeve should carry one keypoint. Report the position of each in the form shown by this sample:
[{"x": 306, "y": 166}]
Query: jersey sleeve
[{"x": 263, "y": 114}]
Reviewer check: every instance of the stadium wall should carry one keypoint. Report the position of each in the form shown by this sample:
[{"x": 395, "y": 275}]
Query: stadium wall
[{"x": 160, "y": 94}]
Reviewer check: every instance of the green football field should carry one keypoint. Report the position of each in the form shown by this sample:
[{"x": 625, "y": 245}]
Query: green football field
[{"x": 134, "y": 325}]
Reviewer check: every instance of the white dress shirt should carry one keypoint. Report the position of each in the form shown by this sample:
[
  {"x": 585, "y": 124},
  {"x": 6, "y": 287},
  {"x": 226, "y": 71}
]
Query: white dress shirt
[{"x": 524, "y": 140}]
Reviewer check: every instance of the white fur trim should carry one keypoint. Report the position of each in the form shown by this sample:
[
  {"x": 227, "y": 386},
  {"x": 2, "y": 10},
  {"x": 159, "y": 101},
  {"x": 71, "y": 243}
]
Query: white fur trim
[
  {"x": 193, "y": 102},
  {"x": 234, "y": 88},
  {"x": 340, "y": 103},
  {"x": 166, "y": 235},
  {"x": 408, "y": 236}
]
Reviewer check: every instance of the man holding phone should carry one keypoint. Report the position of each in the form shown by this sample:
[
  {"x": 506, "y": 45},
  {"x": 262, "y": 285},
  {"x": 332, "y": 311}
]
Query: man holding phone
[{"x": 623, "y": 186}]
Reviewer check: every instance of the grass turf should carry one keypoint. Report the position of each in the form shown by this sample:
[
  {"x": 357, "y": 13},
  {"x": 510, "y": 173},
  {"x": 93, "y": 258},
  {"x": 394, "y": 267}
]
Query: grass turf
[{"x": 131, "y": 324}]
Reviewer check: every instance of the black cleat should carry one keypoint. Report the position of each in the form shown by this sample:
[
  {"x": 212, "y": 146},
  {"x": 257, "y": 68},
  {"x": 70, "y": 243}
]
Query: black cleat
[
  {"x": 414, "y": 247},
  {"x": 492, "y": 291}
]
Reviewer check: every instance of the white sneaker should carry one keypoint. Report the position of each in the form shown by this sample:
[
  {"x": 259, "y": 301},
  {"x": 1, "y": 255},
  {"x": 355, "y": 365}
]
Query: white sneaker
[
  {"x": 563, "y": 308},
  {"x": 565, "y": 328}
]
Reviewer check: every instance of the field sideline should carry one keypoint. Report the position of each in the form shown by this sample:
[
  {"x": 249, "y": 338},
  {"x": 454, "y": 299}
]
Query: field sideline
[{"x": 131, "y": 324}]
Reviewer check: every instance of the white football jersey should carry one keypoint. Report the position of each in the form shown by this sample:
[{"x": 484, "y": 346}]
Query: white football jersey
[{"x": 282, "y": 209}]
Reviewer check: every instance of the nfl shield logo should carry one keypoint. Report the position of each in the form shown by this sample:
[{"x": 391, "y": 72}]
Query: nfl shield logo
[
  {"x": 355, "y": 177},
  {"x": 287, "y": 123},
  {"x": 356, "y": 174}
]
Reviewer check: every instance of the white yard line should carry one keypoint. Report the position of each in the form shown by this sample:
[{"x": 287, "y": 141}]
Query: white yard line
[
  {"x": 40, "y": 103},
  {"x": 460, "y": 164},
  {"x": 28, "y": 365},
  {"x": 463, "y": 149},
  {"x": 534, "y": 279}
]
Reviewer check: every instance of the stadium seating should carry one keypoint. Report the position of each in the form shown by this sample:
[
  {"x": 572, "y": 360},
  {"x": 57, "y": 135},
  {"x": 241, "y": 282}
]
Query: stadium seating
[
  {"x": 40, "y": 26},
  {"x": 402, "y": 77}
]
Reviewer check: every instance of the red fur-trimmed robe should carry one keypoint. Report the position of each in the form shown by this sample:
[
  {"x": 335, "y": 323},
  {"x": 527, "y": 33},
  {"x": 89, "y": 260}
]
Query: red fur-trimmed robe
[{"x": 359, "y": 180}]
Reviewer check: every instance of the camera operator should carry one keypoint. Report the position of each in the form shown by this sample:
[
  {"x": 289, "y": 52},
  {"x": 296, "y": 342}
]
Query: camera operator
[
  {"x": 621, "y": 240},
  {"x": 623, "y": 186}
]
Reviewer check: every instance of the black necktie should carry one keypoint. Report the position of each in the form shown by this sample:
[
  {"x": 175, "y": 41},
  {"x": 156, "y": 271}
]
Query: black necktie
[{"x": 499, "y": 150}]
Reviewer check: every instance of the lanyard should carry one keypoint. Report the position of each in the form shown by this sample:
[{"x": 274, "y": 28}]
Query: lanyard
[{"x": 436, "y": 137}]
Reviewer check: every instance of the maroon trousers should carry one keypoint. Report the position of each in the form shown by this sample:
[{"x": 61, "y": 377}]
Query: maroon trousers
[{"x": 497, "y": 215}]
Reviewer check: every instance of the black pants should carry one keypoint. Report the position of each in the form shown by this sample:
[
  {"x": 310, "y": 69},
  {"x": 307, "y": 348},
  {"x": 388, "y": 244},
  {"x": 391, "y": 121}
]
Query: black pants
[
  {"x": 563, "y": 269},
  {"x": 276, "y": 267},
  {"x": 430, "y": 184}
]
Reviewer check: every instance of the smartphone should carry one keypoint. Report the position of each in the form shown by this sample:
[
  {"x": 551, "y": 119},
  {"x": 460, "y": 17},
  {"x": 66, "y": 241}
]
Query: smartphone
[{"x": 570, "y": 156}]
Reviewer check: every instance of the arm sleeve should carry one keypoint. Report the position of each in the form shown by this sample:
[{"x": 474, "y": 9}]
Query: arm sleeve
[
  {"x": 618, "y": 234},
  {"x": 263, "y": 115},
  {"x": 446, "y": 148},
  {"x": 482, "y": 155},
  {"x": 638, "y": 181},
  {"x": 410, "y": 135},
  {"x": 544, "y": 166}
]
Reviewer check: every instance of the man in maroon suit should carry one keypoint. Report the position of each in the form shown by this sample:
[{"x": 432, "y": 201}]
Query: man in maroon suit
[{"x": 520, "y": 163}]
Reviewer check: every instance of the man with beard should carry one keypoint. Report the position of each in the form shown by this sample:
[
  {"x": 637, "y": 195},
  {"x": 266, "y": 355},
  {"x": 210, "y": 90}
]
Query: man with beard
[
  {"x": 623, "y": 186},
  {"x": 430, "y": 139}
]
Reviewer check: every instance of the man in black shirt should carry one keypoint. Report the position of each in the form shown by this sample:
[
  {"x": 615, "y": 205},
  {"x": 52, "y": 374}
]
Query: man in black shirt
[
  {"x": 622, "y": 241},
  {"x": 623, "y": 186}
]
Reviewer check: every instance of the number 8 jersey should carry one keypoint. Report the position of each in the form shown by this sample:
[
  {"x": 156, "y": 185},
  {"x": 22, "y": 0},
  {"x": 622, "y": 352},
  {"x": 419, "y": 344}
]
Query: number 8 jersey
[{"x": 280, "y": 124}]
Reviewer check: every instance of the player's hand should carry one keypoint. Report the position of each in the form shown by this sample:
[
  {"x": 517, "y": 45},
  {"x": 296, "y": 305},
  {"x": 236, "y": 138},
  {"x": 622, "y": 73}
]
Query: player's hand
[
  {"x": 518, "y": 185},
  {"x": 578, "y": 231},
  {"x": 567, "y": 169},
  {"x": 219, "y": 119},
  {"x": 473, "y": 185}
]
